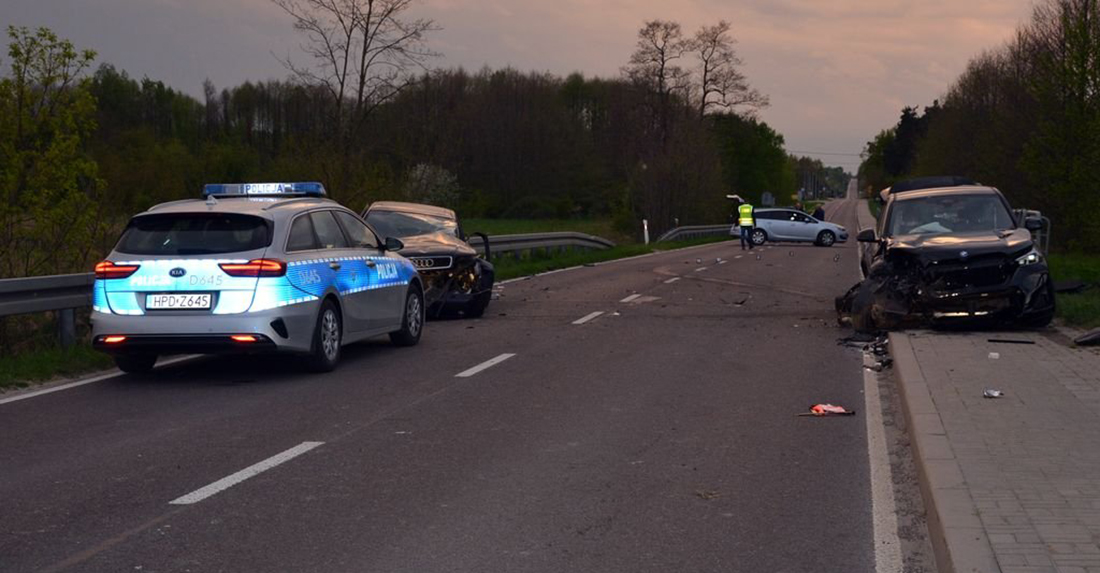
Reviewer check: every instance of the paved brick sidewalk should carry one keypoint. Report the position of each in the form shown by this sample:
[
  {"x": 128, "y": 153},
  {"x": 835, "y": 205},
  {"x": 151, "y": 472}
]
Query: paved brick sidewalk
[{"x": 1011, "y": 484}]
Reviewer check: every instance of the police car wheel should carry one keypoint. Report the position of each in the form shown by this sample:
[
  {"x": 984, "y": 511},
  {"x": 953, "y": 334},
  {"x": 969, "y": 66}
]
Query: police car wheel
[
  {"x": 326, "y": 339},
  {"x": 826, "y": 238},
  {"x": 412, "y": 323},
  {"x": 135, "y": 363}
]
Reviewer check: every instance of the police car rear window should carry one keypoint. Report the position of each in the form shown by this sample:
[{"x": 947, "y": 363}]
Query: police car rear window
[{"x": 175, "y": 234}]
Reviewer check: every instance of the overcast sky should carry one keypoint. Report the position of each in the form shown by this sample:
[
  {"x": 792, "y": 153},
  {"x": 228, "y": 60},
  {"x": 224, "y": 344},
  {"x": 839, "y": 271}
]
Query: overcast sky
[{"x": 837, "y": 71}]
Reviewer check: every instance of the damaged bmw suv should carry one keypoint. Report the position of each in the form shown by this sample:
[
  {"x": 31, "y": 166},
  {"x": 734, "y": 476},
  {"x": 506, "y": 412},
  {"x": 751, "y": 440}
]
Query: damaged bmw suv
[{"x": 949, "y": 257}]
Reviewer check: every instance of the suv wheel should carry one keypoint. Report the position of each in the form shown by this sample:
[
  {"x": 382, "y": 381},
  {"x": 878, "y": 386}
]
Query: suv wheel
[
  {"x": 412, "y": 323},
  {"x": 135, "y": 363},
  {"x": 327, "y": 338},
  {"x": 826, "y": 238}
]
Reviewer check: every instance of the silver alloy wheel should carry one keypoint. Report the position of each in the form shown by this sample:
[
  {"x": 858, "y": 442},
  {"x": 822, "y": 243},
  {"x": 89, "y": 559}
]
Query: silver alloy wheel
[
  {"x": 330, "y": 334},
  {"x": 758, "y": 237},
  {"x": 827, "y": 239},
  {"x": 413, "y": 315}
]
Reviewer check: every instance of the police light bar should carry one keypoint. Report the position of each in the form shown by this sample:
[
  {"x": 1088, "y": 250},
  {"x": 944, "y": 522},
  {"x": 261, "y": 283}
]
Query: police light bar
[{"x": 308, "y": 188}]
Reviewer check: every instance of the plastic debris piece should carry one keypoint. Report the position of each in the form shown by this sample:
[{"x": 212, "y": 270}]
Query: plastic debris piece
[
  {"x": 1088, "y": 339},
  {"x": 992, "y": 393},
  {"x": 828, "y": 410},
  {"x": 1010, "y": 341},
  {"x": 994, "y": 355},
  {"x": 699, "y": 261},
  {"x": 836, "y": 258},
  {"x": 1070, "y": 287}
]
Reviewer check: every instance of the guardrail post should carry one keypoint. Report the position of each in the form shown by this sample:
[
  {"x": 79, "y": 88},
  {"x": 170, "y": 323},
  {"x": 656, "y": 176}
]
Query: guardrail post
[{"x": 66, "y": 327}]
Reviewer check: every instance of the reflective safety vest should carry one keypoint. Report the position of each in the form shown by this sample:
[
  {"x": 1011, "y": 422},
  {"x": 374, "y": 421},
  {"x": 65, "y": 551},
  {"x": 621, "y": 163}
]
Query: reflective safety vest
[{"x": 745, "y": 218}]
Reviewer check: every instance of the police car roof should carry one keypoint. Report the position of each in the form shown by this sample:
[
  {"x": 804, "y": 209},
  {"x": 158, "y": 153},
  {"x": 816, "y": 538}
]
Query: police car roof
[
  {"x": 260, "y": 206},
  {"x": 411, "y": 208}
]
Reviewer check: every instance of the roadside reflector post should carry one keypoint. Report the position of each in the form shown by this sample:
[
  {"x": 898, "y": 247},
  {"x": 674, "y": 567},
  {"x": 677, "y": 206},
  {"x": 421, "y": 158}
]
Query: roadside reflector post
[
  {"x": 66, "y": 327},
  {"x": 645, "y": 230}
]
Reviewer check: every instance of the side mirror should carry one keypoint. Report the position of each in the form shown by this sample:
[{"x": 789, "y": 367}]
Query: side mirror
[
  {"x": 393, "y": 244},
  {"x": 866, "y": 236},
  {"x": 1033, "y": 224}
]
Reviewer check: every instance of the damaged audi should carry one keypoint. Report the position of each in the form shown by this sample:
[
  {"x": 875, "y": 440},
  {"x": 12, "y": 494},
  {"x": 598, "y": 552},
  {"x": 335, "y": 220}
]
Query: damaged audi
[
  {"x": 950, "y": 257},
  {"x": 457, "y": 281}
]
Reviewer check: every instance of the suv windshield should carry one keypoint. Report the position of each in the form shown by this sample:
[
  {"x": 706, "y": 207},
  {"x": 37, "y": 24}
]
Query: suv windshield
[
  {"x": 175, "y": 234},
  {"x": 949, "y": 214},
  {"x": 399, "y": 224}
]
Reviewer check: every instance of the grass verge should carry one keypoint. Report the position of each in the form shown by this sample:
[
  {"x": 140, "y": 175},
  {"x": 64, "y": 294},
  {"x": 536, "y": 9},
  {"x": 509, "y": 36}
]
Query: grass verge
[
  {"x": 40, "y": 365},
  {"x": 507, "y": 268},
  {"x": 1080, "y": 310}
]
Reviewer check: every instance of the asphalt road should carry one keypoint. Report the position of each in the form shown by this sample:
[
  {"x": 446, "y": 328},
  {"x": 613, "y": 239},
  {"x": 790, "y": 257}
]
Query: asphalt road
[{"x": 658, "y": 436}]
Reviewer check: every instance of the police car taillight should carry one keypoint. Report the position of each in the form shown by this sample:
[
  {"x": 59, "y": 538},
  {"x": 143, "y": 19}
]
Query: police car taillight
[
  {"x": 109, "y": 270},
  {"x": 255, "y": 268}
]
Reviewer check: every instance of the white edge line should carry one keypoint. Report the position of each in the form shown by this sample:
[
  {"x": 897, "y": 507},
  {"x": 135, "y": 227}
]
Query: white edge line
[
  {"x": 600, "y": 264},
  {"x": 251, "y": 471},
  {"x": 883, "y": 504},
  {"x": 722, "y": 262},
  {"x": 588, "y": 317},
  {"x": 484, "y": 366},
  {"x": 672, "y": 280},
  {"x": 631, "y": 297},
  {"x": 92, "y": 380}
]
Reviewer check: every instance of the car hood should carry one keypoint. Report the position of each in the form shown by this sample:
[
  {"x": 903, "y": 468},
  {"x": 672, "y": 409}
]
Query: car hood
[
  {"x": 435, "y": 244},
  {"x": 946, "y": 246}
]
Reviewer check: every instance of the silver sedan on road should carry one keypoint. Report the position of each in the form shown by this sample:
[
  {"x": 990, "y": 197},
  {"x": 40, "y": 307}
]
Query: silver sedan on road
[{"x": 791, "y": 225}]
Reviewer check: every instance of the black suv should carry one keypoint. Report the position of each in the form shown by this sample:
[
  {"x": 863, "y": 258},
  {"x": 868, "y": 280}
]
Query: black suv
[
  {"x": 456, "y": 279},
  {"x": 949, "y": 256}
]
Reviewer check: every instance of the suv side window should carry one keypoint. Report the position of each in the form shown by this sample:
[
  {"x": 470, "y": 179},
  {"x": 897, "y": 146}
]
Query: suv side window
[
  {"x": 301, "y": 235},
  {"x": 328, "y": 232},
  {"x": 361, "y": 237}
]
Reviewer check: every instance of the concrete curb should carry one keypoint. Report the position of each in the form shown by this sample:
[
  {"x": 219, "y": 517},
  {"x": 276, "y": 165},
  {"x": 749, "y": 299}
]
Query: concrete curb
[{"x": 957, "y": 534}]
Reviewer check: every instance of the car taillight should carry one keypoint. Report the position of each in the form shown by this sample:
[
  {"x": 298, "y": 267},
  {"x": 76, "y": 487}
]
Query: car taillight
[
  {"x": 255, "y": 268},
  {"x": 114, "y": 339},
  {"x": 109, "y": 270},
  {"x": 244, "y": 338}
]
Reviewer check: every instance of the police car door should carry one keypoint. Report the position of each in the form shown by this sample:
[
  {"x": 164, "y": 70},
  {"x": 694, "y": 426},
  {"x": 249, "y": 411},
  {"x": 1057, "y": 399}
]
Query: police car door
[
  {"x": 339, "y": 268},
  {"x": 366, "y": 254}
]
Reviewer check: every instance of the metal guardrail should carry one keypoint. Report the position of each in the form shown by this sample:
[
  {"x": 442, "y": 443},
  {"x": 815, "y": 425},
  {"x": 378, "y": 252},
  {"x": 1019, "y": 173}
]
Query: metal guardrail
[
  {"x": 517, "y": 244},
  {"x": 694, "y": 232}
]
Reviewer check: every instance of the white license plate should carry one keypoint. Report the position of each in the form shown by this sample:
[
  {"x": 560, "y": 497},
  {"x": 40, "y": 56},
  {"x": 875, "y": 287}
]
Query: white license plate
[{"x": 177, "y": 301}]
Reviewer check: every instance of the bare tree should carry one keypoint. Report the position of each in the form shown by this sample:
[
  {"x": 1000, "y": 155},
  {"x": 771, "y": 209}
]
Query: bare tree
[
  {"x": 364, "y": 52},
  {"x": 653, "y": 63},
  {"x": 720, "y": 82}
]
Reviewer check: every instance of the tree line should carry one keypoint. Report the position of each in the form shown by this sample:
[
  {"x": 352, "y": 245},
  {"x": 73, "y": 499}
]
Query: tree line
[
  {"x": 81, "y": 151},
  {"x": 1024, "y": 117}
]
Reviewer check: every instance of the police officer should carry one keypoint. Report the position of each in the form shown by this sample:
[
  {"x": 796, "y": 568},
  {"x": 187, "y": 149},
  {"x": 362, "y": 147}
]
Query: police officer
[{"x": 746, "y": 218}]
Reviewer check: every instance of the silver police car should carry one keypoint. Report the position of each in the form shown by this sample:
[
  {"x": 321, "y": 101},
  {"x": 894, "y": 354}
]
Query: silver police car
[{"x": 250, "y": 268}]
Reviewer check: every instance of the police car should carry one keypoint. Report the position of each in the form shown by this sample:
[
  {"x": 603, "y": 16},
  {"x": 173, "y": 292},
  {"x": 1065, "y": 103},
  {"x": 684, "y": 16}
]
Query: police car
[{"x": 249, "y": 268}]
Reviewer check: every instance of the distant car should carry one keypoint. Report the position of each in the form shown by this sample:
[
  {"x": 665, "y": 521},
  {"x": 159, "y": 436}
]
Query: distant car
[
  {"x": 792, "y": 225},
  {"x": 456, "y": 279},
  {"x": 252, "y": 268},
  {"x": 950, "y": 256}
]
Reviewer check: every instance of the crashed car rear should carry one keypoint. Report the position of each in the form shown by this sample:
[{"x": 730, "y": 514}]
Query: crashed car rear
[
  {"x": 456, "y": 279},
  {"x": 949, "y": 257}
]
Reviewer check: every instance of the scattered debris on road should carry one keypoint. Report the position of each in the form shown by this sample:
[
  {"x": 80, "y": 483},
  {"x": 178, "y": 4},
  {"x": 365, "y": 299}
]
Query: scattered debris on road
[
  {"x": 994, "y": 355},
  {"x": 880, "y": 365},
  {"x": 1010, "y": 341},
  {"x": 819, "y": 410},
  {"x": 1088, "y": 339},
  {"x": 707, "y": 494},
  {"x": 992, "y": 393}
]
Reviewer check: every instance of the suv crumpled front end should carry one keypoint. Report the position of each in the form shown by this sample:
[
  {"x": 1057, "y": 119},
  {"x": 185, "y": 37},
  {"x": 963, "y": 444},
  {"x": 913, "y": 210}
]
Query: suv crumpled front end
[{"x": 988, "y": 280}]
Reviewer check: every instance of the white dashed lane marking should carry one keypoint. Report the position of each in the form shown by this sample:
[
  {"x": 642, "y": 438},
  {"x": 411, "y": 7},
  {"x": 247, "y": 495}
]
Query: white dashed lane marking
[
  {"x": 701, "y": 269},
  {"x": 484, "y": 366},
  {"x": 251, "y": 471},
  {"x": 588, "y": 317},
  {"x": 672, "y": 280},
  {"x": 630, "y": 298}
]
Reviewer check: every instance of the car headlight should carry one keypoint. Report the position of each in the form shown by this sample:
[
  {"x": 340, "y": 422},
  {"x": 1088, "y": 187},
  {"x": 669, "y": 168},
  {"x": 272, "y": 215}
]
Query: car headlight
[{"x": 1032, "y": 258}]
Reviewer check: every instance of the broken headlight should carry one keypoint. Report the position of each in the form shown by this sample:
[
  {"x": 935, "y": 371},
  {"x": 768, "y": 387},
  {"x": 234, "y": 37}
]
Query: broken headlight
[{"x": 1033, "y": 257}]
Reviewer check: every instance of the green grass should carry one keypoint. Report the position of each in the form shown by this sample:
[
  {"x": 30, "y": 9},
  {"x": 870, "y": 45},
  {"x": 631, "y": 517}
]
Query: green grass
[
  {"x": 599, "y": 227},
  {"x": 507, "y": 268},
  {"x": 40, "y": 365},
  {"x": 1081, "y": 310}
]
